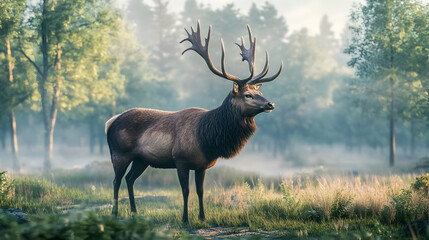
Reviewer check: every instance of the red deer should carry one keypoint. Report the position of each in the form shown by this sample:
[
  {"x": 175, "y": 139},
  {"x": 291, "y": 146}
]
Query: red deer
[{"x": 193, "y": 138}]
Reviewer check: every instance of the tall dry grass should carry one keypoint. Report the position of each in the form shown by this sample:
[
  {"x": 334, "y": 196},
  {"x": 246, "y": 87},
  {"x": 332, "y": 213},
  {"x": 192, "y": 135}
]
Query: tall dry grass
[
  {"x": 308, "y": 205},
  {"x": 388, "y": 199}
]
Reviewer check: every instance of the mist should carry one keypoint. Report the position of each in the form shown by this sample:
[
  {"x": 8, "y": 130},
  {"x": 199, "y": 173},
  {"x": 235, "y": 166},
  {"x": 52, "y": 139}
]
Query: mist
[{"x": 323, "y": 120}]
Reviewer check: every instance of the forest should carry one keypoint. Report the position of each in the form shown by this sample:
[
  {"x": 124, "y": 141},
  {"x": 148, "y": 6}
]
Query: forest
[
  {"x": 352, "y": 103},
  {"x": 71, "y": 66}
]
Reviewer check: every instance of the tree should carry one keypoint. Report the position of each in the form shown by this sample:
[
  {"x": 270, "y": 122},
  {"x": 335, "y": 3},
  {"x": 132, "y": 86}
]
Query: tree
[
  {"x": 227, "y": 25},
  {"x": 380, "y": 32},
  {"x": 326, "y": 38},
  {"x": 417, "y": 52},
  {"x": 305, "y": 87},
  {"x": 142, "y": 18},
  {"x": 165, "y": 53},
  {"x": 157, "y": 30},
  {"x": 269, "y": 24},
  {"x": 143, "y": 85},
  {"x": 72, "y": 40},
  {"x": 13, "y": 93}
]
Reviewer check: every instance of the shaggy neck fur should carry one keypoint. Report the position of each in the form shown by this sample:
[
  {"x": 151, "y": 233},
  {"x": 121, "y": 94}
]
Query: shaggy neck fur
[{"x": 223, "y": 131}]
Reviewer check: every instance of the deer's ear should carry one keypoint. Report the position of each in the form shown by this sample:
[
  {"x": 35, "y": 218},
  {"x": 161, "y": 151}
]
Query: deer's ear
[
  {"x": 258, "y": 86},
  {"x": 235, "y": 88}
]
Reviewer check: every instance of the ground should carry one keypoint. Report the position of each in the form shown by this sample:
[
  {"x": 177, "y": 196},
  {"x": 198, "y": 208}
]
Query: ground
[{"x": 318, "y": 205}]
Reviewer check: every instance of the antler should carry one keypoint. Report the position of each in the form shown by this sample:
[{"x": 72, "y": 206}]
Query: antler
[
  {"x": 259, "y": 79},
  {"x": 247, "y": 55},
  {"x": 203, "y": 50}
]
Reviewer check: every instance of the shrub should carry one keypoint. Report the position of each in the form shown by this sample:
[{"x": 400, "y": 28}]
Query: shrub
[
  {"x": 29, "y": 188},
  {"x": 291, "y": 199},
  {"x": 421, "y": 184},
  {"x": 388, "y": 214},
  {"x": 403, "y": 204},
  {"x": 5, "y": 186},
  {"x": 8, "y": 227},
  {"x": 81, "y": 226},
  {"x": 342, "y": 205}
]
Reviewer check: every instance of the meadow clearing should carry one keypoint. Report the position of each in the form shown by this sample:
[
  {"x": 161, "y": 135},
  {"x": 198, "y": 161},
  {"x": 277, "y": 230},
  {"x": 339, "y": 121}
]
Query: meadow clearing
[{"x": 76, "y": 204}]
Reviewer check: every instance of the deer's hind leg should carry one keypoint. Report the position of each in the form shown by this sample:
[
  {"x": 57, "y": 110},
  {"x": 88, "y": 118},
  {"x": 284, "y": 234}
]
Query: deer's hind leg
[
  {"x": 120, "y": 165},
  {"x": 136, "y": 170}
]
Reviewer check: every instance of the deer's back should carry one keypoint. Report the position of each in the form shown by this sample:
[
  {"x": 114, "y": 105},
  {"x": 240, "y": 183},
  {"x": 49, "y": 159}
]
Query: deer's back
[{"x": 157, "y": 137}]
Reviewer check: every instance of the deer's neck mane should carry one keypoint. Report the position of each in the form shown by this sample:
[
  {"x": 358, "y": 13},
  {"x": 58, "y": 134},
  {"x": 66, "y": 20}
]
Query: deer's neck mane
[{"x": 223, "y": 132}]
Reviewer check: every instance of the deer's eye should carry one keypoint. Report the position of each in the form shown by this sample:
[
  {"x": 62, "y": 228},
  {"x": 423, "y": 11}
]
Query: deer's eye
[{"x": 248, "y": 96}]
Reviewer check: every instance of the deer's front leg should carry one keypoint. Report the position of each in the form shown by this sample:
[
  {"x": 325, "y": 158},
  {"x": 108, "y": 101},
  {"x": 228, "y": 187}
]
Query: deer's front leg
[
  {"x": 183, "y": 173},
  {"x": 199, "y": 182}
]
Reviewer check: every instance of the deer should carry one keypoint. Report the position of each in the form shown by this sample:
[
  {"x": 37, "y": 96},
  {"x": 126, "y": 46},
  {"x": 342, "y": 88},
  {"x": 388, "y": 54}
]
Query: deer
[{"x": 193, "y": 138}]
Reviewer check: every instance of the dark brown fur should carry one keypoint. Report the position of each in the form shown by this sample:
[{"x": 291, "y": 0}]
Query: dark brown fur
[
  {"x": 190, "y": 139},
  {"x": 223, "y": 132}
]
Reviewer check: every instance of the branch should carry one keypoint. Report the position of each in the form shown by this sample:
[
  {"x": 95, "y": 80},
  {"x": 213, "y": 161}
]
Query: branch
[{"x": 32, "y": 62}]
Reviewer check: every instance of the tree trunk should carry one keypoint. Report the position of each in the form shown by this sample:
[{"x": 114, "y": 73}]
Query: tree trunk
[
  {"x": 392, "y": 126},
  {"x": 48, "y": 149},
  {"x": 413, "y": 138},
  {"x": 91, "y": 135},
  {"x": 3, "y": 134},
  {"x": 43, "y": 90},
  {"x": 101, "y": 142},
  {"x": 14, "y": 137},
  {"x": 14, "y": 141},
  {"x": 49, "y": 137},
  {"x": 49, "y": 112}
]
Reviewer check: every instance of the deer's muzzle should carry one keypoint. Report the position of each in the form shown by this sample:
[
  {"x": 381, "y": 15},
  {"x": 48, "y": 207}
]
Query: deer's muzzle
[{"x": 269, "y": 106}]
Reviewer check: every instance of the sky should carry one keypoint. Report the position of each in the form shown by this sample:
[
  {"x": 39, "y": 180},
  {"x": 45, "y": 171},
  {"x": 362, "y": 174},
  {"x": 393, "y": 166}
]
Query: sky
[{"x": 298, "y": 13}]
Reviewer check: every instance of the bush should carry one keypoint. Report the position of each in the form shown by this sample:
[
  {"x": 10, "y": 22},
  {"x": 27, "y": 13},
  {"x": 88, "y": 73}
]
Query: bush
[
  {"x": 342, "y": 205},
  {"x": 81, "y": 226},
  {"x": 291, "y": 199},
  {"x": 403, "y": 204},
  {"x": 8, "y": 227},
  {"x": 421, "y": 184},
  {"x": 388, "y": 214},
  {"x": 31, "y": 188},
  {"x": 5, "y": 186}
]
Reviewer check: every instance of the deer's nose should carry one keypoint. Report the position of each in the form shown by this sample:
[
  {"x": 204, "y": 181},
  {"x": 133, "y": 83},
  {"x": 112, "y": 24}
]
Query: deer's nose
[{"x": 270, "y": 105}]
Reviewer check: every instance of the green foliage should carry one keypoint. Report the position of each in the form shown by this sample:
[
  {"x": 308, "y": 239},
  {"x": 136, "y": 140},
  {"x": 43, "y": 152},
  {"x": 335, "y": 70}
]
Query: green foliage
[
  {"x": 404, "y": 205},
  {"x": 83, "y": 33},
  {"x": 38, "y": 195},
  {"x": 291, "y": 212},
  {"x": 342, "y": 206},
  {"x": 100, "y": 175},
  {"x": 383, "y": 47},
  {"x": 5, "y": 186},
  {"x": 20, "y": 89},
  {"x": 10, "y": 17},
  {"x": 421, "y": 184},
  {"x": 9, "y": 229},
  {"x": 109, "y": 65},
  {"x": 382, "y": 50},
  {"x": 291, "y": 199},
  {"x": 80, "y": 226}
]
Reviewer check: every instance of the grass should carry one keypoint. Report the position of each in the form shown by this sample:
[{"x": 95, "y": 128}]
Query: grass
[{"x": 331, "y": 207}]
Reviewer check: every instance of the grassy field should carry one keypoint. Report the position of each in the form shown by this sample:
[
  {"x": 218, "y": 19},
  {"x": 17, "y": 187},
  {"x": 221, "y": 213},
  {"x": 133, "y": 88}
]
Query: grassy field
[{"x": 241, "y": 205}]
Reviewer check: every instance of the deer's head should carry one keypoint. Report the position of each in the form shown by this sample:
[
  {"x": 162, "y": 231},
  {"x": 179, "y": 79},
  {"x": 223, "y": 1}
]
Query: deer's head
[{"x": 245, "y": 93}]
